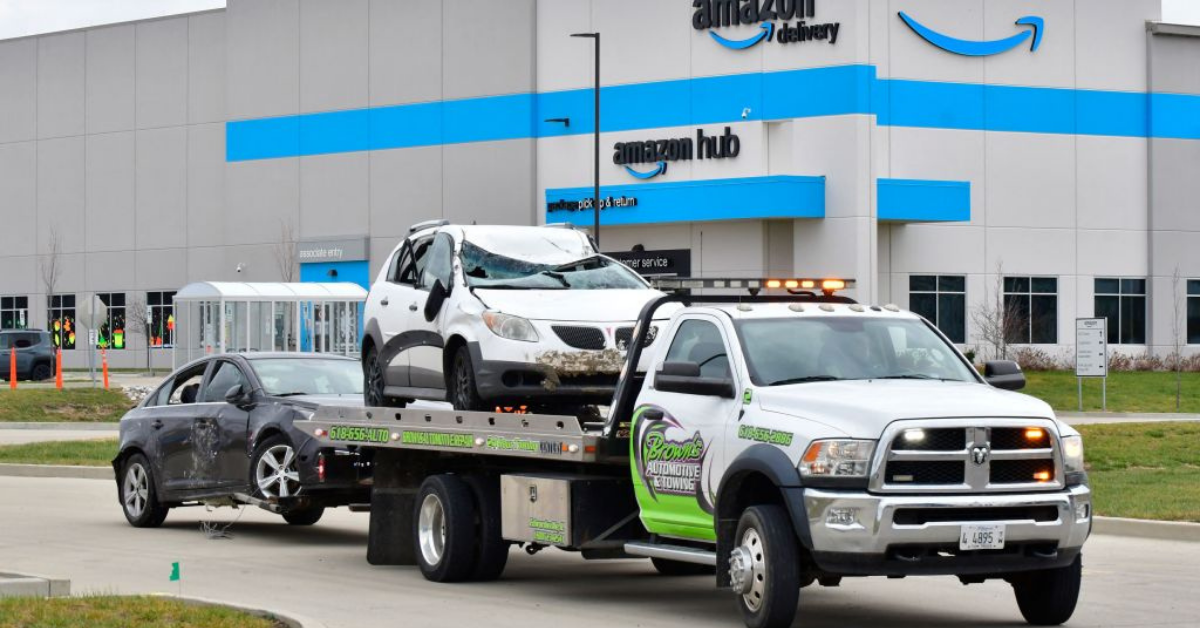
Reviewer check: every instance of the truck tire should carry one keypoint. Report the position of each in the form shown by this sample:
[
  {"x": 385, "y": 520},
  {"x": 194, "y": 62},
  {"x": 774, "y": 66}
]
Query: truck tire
[
  {"x": 493, "y": 549},
  {"x": 41, "y": 372},
  {"x": 305, "y": 517},
  {"x": 763, "y": 567},
  {"x": 1048, "y": 597},
  {"x": 460, "y": 385},
  {"x": 676, "y": 568},
  {"x": 139, "y": 498},
  {"x": 444, "y": 529}
]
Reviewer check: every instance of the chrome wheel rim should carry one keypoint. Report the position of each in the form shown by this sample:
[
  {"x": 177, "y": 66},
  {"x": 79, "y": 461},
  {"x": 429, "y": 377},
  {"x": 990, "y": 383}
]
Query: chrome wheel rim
[
  {"x": 275, "y": 474},
  {"x": 136, "y": 490},
  {"x": 753, "y": 569},
  {"x": 431, "y": 529}
]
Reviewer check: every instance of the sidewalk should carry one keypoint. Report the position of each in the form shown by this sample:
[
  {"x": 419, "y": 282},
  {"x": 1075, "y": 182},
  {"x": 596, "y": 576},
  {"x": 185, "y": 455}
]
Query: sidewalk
[{"x": 1090, "y": 418}]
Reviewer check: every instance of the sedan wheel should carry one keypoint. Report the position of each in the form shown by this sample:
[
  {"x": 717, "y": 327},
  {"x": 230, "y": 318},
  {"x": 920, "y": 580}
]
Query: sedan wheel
[
  {"x": 139, "y": 501},
  {"x": 275, "y": 473},
  {"x": 137, "y": 490}
]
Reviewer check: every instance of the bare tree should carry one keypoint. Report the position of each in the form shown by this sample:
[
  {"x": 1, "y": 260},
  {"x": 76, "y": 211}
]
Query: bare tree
[
  {"x": 995, "y": 323},
  {"x": 51, "y": 268},
  {"x": 137, "y": 322},
  {"x": 1177, "y": 333},
  {"x": 287, "y": 253}
]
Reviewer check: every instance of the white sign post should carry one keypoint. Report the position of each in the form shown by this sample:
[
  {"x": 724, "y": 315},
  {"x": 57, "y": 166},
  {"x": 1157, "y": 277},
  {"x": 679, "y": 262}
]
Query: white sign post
[{"x": 1091, "y": 355}]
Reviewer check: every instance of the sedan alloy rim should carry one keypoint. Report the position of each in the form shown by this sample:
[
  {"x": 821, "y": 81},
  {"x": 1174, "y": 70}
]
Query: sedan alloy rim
[
  {"x": 137, "y": 490},
  {"x": 275, "y": 474}
]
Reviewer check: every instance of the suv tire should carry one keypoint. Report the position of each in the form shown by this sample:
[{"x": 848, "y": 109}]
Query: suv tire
[
  {"x": 1048, "y": 597},
  {"x": 374, "y": 383},
  {"x": 41, "y": 372},
  {"x": 460, "y": 386},
  {"x": 767, "y": 545}
]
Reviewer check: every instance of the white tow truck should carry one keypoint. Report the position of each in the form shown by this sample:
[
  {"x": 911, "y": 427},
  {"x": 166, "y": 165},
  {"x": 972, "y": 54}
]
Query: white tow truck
[{"x": 779, "y": 440}]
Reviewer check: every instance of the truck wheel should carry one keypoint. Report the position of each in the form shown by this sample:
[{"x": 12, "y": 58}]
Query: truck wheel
[
  {"x": 1048, "y": 597},
  {"x": 461, "y": 387},
  {"x": 763, "y": 568},
  {"x": 676, "y": 568},
  {"x": 493, "y": 549},
  {"x": 305, "y": 517},
  {"x": 444, "y": 529},
  {"x": 139, "y": 499},
  {"x": 41, "y": 372}
]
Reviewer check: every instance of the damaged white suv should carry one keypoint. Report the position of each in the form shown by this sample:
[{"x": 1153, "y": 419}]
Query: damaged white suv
[{"x": 486, "y": 316}]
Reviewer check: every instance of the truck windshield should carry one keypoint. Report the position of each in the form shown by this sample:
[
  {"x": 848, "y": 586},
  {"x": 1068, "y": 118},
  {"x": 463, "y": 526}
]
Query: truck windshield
[
  {"x": 799, "y": 350},
  {"x": 485, "y": 269}
]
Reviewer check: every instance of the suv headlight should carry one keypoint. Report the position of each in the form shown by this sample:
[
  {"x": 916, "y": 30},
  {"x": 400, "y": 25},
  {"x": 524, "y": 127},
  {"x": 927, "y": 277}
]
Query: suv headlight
[
  {"x": 1072, "y": 447},
  {"x": 837, "y": 459},
  {"x": 510, "y": 327}
]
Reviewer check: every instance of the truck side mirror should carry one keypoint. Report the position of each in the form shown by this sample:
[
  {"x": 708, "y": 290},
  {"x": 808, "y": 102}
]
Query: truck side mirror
[
  {"x": 685, "y": 378},
  {"x": 437, "y": 296},
  {"x": 1004, "y": 374}
]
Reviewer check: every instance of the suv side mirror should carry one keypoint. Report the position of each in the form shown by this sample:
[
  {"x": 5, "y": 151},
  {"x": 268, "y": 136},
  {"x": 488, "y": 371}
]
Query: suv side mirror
[
  {"x": 437, "y": 296},
  {"x": 1004, "y": 374},
  {"x": 685, "y": 378}
]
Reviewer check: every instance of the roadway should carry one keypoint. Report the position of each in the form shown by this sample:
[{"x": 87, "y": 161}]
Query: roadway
[{"x": 73, "y": 528}]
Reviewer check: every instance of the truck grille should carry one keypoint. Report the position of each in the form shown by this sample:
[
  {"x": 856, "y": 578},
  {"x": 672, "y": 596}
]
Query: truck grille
[
  {"x": 580, "y": 337},
  {"x": 968, "y": 456}
]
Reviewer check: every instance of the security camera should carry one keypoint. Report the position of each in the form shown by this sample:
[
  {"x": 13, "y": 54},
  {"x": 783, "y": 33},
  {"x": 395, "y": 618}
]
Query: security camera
[
  {"x": 745, "y": 113},
  {"x": 240, "y": 268}
]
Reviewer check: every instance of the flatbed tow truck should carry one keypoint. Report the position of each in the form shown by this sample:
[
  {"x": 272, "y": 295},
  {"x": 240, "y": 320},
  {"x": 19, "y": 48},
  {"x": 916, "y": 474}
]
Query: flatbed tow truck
[{"x": 779, "y": 440}]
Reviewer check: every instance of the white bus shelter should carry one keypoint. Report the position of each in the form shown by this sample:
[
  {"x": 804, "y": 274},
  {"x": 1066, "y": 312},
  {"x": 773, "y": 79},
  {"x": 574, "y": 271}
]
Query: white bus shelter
[{"x": 221, "y": 317}]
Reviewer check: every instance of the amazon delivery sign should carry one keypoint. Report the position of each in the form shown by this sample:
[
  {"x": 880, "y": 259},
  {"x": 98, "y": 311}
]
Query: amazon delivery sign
[{"x": 779, "y": 21}]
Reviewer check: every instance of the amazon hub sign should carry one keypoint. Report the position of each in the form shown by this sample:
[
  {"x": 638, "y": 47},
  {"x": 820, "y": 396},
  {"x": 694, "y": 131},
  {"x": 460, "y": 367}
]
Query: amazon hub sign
[
  {"x": 714, "y": 14},
  {"x": 659, "y": 153}
]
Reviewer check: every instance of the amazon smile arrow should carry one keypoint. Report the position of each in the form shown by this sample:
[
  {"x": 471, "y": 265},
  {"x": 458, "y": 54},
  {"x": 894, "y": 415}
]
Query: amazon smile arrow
[
  {"x": 970, "y": 48},
  {"x": 661, "y": 168}
]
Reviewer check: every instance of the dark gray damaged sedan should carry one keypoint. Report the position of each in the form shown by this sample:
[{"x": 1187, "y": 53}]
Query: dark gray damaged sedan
[{"x": 222, "y": 426}]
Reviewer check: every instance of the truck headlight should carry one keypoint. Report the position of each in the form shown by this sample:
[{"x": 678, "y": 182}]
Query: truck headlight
[
  {"x": 837, "y": 459},
  {"x": 510, "y": 327},
  {"x": 1072, "y": 447}
]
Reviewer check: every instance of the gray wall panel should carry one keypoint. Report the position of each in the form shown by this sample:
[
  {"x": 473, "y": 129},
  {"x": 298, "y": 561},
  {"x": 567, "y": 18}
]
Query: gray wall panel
[
  {"x": 111, "y": 271},
  {"x": 1175, "y": 184},
  {"x": 111, "y": 217},
  {"x": 18, "y": 189},
  {"x": 406, "y": 188},
  {"x": 258, "y": 195},
  {"x": 162, "y": 269},
  {"x": 406, "y": 51},
  {"x": 60, "y": 189},
  {"x": 206, "y": 184},
  {"x": 263, "y": 66},
  {"x": 333, "y": 195},
  {"x": 1175, "y": 70},
  {"x": 504, "y": 30},
  {"x": 110, "y": 79},
  {"x": 489, "y": 182},
  {"x": 206, "y": 67},
  {"x": 162, "y": 73},
  {"x": 61, "y": 91},
  {"x": 20, "y": 278},
  {"x": 333, "y": 57},
  {"x": 18, "y": 99},
  {"x": 162, "y": 188}
]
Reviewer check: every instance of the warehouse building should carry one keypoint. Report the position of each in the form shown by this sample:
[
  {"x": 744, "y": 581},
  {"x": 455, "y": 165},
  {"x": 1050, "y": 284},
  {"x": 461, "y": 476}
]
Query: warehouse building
[{"x": 947, "y": 154}]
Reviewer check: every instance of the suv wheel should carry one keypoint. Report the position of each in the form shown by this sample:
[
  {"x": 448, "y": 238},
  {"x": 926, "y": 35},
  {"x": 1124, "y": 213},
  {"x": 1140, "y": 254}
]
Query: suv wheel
[
  {"x": 461, "y": 387},
  {"x": 41, "y": 372},
  {"x": 374, "y": 383}
]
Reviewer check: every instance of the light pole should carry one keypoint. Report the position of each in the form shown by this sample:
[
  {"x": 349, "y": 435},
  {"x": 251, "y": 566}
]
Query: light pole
[{"x": 596, "y": 138}]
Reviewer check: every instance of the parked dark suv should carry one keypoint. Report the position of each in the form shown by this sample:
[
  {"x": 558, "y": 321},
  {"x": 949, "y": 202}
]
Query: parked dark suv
[{"x": 35, "y": 353}]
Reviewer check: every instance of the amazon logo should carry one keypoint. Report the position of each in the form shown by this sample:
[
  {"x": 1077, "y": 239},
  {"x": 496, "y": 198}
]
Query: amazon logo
[
  {"x": 1033, "y": 28},
  {"x": 649, "y": 159},
  {"x": 716, "y": 14}
]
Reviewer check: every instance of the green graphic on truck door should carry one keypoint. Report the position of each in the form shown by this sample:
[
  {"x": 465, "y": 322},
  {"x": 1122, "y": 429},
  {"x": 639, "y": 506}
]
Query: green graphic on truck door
[{"x": 667, "y": 463}]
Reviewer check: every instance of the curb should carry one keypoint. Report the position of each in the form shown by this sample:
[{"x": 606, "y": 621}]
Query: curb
[
  {"x": 27, "y": 585},
  {"x": 55, "y": 471},
  {"x": 291, "y": 619},
  {"x": 112, "y": 426},
  {"x": 1143, "y": 529}
]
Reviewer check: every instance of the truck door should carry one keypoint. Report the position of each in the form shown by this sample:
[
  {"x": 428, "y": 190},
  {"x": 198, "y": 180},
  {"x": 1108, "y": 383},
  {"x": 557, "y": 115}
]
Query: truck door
[{"x": 677, "y": 444}]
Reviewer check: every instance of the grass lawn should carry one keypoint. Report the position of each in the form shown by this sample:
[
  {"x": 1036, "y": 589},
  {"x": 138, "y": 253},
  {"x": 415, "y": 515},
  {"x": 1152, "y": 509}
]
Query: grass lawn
[
  {"x": 1144, "y": 470},
  {"x": 79, "y": 453},
  {"x": 1127, "y": 391},
  {"x": 120, "y": 612},
  {"x": 67, "y": 405}
]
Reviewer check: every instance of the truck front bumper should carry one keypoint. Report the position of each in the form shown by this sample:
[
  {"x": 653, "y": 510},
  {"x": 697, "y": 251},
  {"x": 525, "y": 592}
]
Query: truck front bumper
[{"x": 857, "y": 533}]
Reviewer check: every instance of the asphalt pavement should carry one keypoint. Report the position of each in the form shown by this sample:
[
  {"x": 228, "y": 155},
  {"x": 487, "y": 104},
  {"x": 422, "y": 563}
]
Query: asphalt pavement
[{"x": 74, "y": 529}]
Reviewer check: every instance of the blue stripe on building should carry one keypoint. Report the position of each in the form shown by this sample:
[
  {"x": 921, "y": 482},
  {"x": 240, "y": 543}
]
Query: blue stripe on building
[{"x": 911, "y": 200}]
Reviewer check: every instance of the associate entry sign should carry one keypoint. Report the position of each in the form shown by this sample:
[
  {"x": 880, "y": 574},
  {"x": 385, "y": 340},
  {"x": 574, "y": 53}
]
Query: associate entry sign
[{"x": 1091, "y": 347}]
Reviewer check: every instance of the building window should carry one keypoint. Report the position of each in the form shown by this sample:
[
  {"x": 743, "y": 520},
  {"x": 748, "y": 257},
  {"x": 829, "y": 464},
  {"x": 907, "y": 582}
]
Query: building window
[
  {"x": 1123, "y": 303},
  {"x": 161, "y": 307},
  {"x": 14, "y": 312},
  {"x": 110, "y": 334},
  {"x": 61, "y": 314},
  {"x": 1031, "y": 309},
  {"x": 942, "y": 299},
  {"x": 1193, "y": 312}
]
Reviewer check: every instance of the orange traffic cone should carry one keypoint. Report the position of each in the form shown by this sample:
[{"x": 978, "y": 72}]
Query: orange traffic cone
[
  {"x": 12, "y": 369},
  {"x": 58, "y": 370},
  {"x": 104, "y": 366}
]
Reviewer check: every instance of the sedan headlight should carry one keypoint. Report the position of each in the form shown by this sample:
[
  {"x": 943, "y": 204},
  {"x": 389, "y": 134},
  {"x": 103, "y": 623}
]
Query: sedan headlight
[
  {"x": 1072, "y": 447},
  {"x": 510, "y": 327},
  {"x": 837, "y": 459}
]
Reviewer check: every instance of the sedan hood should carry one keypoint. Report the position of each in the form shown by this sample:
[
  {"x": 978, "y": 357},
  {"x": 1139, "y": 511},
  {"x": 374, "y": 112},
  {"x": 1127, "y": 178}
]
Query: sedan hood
[
  {"x": 862, "y": 409},
  {"x": 568, "y": 305}
]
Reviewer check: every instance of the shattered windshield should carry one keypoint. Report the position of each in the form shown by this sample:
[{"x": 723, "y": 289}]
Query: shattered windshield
[{"x": 485, "y": 269}]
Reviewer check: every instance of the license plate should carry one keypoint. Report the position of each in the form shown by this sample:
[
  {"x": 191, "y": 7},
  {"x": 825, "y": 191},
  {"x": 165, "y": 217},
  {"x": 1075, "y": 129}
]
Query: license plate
[{"x": 981, "y": 537}]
